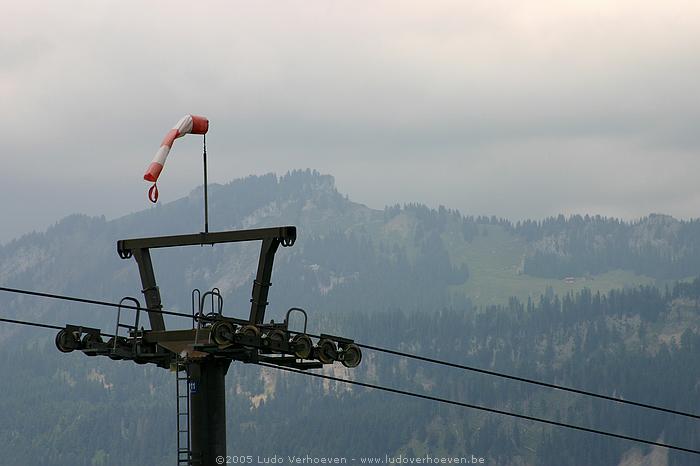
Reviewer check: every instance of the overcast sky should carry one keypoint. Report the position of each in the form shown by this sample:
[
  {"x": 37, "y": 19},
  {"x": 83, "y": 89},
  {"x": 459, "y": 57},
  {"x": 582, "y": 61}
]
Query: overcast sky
[{"x": 518, "y": 109}]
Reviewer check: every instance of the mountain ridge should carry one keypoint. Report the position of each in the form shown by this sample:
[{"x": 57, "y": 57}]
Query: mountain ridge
[{"x": 501, "y": 258}]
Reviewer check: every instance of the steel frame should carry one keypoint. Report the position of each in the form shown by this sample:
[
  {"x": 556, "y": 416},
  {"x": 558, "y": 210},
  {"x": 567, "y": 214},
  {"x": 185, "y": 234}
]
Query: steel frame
[{"x": 206, "y": 350}]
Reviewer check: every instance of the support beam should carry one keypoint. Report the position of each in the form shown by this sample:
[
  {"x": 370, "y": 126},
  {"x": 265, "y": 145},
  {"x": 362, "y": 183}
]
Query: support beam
[
  {"x": 261, "y": 285},
  {"x": 150, "y": 289}
]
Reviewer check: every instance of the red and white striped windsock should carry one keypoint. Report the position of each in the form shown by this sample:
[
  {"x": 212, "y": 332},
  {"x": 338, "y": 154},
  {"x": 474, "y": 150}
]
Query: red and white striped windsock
[{"x": 189, "y": 124}]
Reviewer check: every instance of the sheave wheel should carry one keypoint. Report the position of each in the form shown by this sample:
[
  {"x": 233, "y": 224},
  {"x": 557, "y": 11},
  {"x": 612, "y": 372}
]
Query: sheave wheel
[
  {"x": 327, "y": 351},
  {"x": 303, "y": 347},
  {"x": 222, "y": 332},
  {"x": 66, "y": 341},
  {"x": 351, "y": 356}
]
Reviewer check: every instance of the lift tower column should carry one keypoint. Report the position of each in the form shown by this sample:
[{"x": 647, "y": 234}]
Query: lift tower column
[{"x": 207, "y": 409}]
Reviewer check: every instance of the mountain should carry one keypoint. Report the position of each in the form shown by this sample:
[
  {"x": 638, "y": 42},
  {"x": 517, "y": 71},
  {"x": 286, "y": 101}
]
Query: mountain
[
  {"x": 499, "y": 258},
  {"x": 594, "y": 302}
]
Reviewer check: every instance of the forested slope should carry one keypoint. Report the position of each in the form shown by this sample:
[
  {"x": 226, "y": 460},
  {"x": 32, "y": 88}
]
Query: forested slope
[{"x": 428, "y": 281}]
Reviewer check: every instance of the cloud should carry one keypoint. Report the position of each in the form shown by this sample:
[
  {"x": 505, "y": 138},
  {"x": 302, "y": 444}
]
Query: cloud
[{"x": 506, "y": 108}]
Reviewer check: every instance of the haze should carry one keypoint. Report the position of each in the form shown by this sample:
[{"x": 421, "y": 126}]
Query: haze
[{"x": 515, "y": 109}]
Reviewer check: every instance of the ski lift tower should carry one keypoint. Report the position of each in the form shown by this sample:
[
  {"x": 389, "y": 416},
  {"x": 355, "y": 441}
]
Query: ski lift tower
[{"x": 201, "y": 354}]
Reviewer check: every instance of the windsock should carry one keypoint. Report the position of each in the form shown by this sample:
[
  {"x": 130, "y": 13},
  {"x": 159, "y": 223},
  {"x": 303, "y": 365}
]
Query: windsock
[{"x": 189, "y": 124}]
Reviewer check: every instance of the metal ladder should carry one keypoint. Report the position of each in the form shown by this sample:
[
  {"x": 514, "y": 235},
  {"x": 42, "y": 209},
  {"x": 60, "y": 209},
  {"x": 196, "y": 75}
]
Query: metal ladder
[{"x": 184, "y": 454}]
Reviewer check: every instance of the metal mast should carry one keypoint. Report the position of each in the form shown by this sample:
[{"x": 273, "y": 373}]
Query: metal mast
[{"x": 206, "y": 349}]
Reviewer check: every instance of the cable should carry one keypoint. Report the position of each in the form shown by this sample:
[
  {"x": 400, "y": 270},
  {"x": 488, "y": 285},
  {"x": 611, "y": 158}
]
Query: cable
[
  {"x": 92, "y": 301},
  {"x": 384, "y": 350},
  {"x": 426, "y": 397},
  {"x": 37, "y": 324},
  {"x": 530, "y": 381},
  {"x": 519, "y": 379},
  {"x": 393, "y": 390},
  {"x": 33, "y": 324},
  {"x": 481, "y": 408}
]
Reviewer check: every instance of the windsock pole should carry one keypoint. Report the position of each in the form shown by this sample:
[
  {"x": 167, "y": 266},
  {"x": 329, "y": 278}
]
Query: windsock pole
[{"x": 206, "y": 194}]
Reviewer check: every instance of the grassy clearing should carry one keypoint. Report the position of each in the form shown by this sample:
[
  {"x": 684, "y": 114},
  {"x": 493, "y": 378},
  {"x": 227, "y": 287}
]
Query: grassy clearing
[{"x": 495, "y": 260}]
